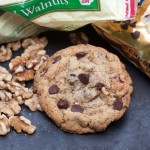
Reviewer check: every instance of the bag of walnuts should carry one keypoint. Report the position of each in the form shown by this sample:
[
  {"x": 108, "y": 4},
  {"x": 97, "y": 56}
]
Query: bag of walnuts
[
  {"x": 24, "y": 18},
  {"x": 131, "y": 37}
]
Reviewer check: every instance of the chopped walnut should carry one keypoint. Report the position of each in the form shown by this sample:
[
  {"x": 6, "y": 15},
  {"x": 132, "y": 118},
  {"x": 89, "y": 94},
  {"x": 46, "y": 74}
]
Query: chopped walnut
[
  {"x": 5, "y": 95},
  {"x": 2, "y": 85},
  {"x": 21, "y": 124},
  {"x": 10, "y": 108},
  {"x": 78, "y": 38},
  {"x": 4, "y": 125},
  {"x": 33, "y": 103},
  {"x": 36, "y": 62},
  {"x": 104, "y": 91},
  {"x": 32, "y": 50},
  {"x": 17, "y": 63},
  {"x": 5, "y": 53},
  {"x": 14, "y": 45},
  {"x": 33, "y": 41},
  {"x": 27, "y": 75},
  {"x": 5, "y": 75},
  {"x": 19, "y": 92}
]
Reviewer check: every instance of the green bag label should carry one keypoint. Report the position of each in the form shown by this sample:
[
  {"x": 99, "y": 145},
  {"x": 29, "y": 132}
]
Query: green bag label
[{"x": 31, "y": 9}]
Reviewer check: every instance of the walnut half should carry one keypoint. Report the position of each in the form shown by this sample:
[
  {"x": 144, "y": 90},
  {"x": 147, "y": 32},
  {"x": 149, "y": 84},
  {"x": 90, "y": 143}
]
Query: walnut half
[{"x": 21, "y": 124}]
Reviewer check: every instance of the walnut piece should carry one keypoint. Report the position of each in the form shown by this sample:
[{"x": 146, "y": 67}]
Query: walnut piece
[
  {"x": 5, "y": 53},
  {"x": 27, "y": 75},
  {"x": 20, "y": 93},
  {"x": 36, "y": 62},
  {"x": 33, "y": 41},
  {"x": 33, "y": 103},
  {"x": 5, "y": 95},
  {"x": 14, "y": 45},
  {"x": 32, "y": 50},
  {"x": 10, "y": 108},
  {"x": 4, "y": 125},
  {"x": 21, "y": 124},
  {"x": 16, "y": 63},
  {"x": 78, "y": 38},
  {"x": 5, "y": 75}
]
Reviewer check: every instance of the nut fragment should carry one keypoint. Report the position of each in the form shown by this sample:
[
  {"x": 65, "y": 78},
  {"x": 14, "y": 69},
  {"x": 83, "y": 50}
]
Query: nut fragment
[
  {"x": 36, "y": 62},
  {"x": 19, "y": 91},
  {"x": 4, "y": 125},
  {"x": 5, "y": 95},
  {"x": 24, "y": 76},
  {"x": 104, "y": 91},
  {"x": 10, "y": 108},
  {"x": 78, "y": 38},
  {"x": 32, "y": 50},
  {"x": 21, "y": 124},
  {"x": 33, "y": 103},
  {"x": 5, "y": 53},
  {"x": 17, "y": 62},
  {"x": 14, "y": 45},
  {"x": 33, "y": 41},
  {"x": 5, "y": 75}
]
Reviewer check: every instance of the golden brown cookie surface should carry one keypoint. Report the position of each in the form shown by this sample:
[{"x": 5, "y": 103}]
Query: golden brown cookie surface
[{"x": 83, "y": 88}]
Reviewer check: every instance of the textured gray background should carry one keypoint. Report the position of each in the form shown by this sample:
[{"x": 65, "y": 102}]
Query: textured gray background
[{"x": 132, "y": 132}]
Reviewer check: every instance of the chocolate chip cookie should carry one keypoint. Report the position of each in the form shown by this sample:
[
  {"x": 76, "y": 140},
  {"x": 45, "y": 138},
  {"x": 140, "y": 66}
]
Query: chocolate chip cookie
[{"x": 83, "y": 88}]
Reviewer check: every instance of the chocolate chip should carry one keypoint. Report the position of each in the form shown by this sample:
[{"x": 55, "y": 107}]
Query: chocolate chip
[
  {"x": 84, "y": 78},
  {"x": 77, "y": 108},
  {"x": 63, "y": 104},
  {"x": 53, "y": 89},
  {"x": 99, "y": 86},
  {"x": 147, "y": 16},
  {"x": 118, "y": 104},
  {"x": 56, "y": 59},
  {"x": 80, "y": 55},
  {"x": 116, "y": 21},
  {"x": 124, "y": 26},
  {"x": 135, "y": 35},
  {"x": 133, "y": 24},
  {"x": 127, "y": 22},
  {"x": 72, "y": 75}
]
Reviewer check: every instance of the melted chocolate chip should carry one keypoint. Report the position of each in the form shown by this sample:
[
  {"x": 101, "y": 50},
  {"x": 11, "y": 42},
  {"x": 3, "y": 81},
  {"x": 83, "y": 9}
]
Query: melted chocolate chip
[
  {"x": 124, "y": 26},
  {"x": 147, "y": 16},
  {"x": 135, "y": 35},
  {"x": 53, "y": 89},
  {"x": 72, "y": 75},
  {"x": 80, "y": 55},
  {"x": 99, "y": 86},
  {"x": 84, "y": 78},
  {"x": 63, "y": 104},
  {"x": 56, "y": 59},
  {"x": 77, "y": 108},
  {"x": 133, "y": 24},
  {"x": 127, "y": 22},
  {"x": 118, "y": 104}
]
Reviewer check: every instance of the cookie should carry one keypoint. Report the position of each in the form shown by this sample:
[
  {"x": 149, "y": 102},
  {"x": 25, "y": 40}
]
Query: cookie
[{"x": 83, "y": 88}]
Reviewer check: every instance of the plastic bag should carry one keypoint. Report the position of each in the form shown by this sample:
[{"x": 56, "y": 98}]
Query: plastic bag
[{"x": 58, "y": 14}]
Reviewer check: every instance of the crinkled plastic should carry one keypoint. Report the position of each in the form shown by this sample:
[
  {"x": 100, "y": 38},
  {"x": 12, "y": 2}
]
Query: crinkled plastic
[{"x": 22, "y": 18}]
